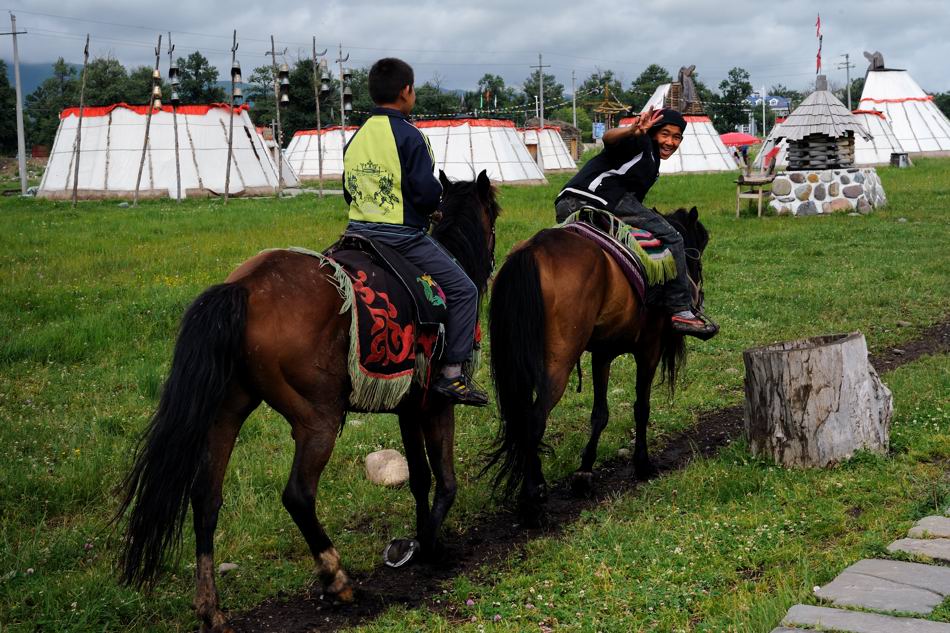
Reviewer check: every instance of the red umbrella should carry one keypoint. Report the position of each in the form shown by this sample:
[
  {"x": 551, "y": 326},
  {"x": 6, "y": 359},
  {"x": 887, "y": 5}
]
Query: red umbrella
[{"x": 739, "y": 138}]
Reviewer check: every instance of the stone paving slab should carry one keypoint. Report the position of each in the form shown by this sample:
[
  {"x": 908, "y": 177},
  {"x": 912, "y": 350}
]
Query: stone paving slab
[
  {"x": 935, "y": 548},
  {"x": 931, "y": 527},
  {"x": 858, "y": 622},
  {"x": 889, "y": 585}
]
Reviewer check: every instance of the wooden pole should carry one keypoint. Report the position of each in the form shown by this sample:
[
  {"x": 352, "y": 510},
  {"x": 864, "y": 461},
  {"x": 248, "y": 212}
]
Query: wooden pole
[
  {"x": 278, "y": 135},
  {"x": 171, "y": 50},
  {"x": 20, "y": 137},
  {"x": 148, "y": 125},
  {"x": 78, "y": 144},
  {"x": 227, "y": 170},
  {"x": 316, "y": 98}
]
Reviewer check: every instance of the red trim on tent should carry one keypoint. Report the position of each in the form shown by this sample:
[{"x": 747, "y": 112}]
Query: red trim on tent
[
  {"x": 874, "y": 112},
  {"x": 92, "y": 111},
  {"x": 556, "y": 128},
  {"x": 472, "y": 122},
  {"x": 332, "y": 128},
  {"x": 690, "y": 118},
  {"x": 901, "y": 100}
]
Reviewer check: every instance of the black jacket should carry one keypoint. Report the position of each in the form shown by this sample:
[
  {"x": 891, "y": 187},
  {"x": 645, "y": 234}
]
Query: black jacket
[{"x": 631, "y": 165}]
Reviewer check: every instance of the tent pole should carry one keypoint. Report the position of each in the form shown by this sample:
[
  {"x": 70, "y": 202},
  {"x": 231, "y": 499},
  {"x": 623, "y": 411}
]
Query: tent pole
[
  {"x": 82, "y": 95},
  {"x": 316, "y": 98},
  {"x": 171, "y": 50},
  {"x": 148, "y": 124},
  {"x": 227, "y": 170}
]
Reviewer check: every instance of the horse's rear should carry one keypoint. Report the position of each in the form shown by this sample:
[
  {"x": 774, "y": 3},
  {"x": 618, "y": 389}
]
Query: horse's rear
[
  {"x": 271, "y": 332},
  {"x": 556, "y": 296}
]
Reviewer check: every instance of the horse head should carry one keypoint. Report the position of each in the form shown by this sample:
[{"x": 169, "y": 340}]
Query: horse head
[
  {"x": 695, "y": 239},
  {"x": 466, "y": 225}
]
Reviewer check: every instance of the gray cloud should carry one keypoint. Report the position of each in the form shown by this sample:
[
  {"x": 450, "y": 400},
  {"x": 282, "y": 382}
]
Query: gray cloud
[{"x": 460, "y": 41}]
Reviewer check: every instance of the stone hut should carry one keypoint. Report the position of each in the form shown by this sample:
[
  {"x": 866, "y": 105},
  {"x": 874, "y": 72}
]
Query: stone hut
[{"x": 820, "y": 132}]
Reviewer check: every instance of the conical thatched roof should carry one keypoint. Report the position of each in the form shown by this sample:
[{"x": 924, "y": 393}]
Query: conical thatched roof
[{"x": 821, "y": 113}]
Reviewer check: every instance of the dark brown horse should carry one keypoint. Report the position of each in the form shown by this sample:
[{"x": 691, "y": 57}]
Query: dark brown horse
[
  {"x": 556, "y": 296},
  {"x": 273, "y": 332}
]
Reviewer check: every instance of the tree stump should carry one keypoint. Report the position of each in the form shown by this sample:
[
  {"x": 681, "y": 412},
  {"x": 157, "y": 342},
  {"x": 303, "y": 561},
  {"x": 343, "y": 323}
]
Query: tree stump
[{"x": 816, "y": 401}]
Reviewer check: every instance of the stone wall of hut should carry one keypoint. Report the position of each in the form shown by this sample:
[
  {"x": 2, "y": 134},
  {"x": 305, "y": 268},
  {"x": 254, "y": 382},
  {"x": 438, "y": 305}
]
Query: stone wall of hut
[{"x": 817, "y": 192}]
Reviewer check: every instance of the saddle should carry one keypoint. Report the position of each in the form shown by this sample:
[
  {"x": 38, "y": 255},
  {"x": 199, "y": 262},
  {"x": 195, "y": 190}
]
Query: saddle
[{"x": 644, "y": 260}]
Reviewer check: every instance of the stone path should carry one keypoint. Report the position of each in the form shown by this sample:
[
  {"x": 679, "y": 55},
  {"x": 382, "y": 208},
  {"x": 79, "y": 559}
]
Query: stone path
[{"x": 884, "y": 586}]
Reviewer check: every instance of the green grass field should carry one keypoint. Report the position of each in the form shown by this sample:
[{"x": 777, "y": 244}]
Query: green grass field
[{"x": 89, "y": 309}]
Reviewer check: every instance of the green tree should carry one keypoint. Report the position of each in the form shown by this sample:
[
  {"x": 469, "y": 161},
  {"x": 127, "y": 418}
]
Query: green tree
[
  {"x": 643, "y": 87},
  {"x": 794, "y": 97},
  {"x": 43, "y": 105},
  {"x": 730, "y": 109},
  {"x": 138, "y": 89},
  {"x": 553, "y": 91},
  {"x": 199, "y": 81},
  {"x": 593, "y": 87},
  {"x": 584, "y": 122},
  {"x": 7, "y": 112},
  {"x": 494, "y": 94},
  {"x": 107, "y": 82},
  {"x": 942, "y": 99},
  {"x": 259, "y": 93}
]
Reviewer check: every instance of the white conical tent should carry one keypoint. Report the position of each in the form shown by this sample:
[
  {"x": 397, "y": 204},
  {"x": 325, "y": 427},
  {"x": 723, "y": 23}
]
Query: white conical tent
[
  {"x": 883, "y": 143},
  {"x": 918, "y": 124},
  {"x": 464, "y": 147},
  {"x": 701, "y": 150},
  {"x": 550, "y": 147},
  {"x": 305, "y": 148},
  {"x": 290, "y": 176},
  {"x": 112, "y": 138}
]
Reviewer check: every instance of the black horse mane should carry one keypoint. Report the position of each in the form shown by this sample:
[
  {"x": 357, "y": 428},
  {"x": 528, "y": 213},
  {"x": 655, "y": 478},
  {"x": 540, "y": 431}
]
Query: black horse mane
[
  {"x": 695, "y": 239},
  {"x": 461, "y": 231}
]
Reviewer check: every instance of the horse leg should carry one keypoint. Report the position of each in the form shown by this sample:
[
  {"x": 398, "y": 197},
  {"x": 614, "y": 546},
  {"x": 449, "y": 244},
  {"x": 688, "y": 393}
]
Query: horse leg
[
  {"x": 439, "y": 431},
  {"x": 646, "y": 369},
  {"x": 534, "y": 490},
  {"x": 314, "y": 437},
  {"x": 206, "y": 502},
  {"x": 420, "y": 477},
  {"x": 582, "y": 481}
]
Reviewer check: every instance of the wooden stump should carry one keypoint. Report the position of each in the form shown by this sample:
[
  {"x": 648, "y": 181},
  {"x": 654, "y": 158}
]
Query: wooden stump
[{"x": 814, "y": 402}]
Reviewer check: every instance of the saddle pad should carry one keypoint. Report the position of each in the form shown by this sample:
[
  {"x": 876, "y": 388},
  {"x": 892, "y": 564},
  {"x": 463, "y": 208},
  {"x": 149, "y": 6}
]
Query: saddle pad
[{"x": 629, "y": 263}]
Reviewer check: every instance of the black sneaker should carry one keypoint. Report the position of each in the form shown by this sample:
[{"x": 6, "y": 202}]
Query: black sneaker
[
  {"x": 698, "y": 326},
  {"x": 461, "y": 389}
]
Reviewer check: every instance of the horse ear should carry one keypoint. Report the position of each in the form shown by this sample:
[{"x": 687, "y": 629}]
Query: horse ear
[
  {"x": 444, "y": 180},
  {"x": 693, "y": 214},
  {"x": 483, "y": 183}
]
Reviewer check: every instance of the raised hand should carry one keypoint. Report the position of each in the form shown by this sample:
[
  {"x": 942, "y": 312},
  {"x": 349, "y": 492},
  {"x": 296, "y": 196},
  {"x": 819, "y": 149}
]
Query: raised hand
[{"x": 647, "y": 120}]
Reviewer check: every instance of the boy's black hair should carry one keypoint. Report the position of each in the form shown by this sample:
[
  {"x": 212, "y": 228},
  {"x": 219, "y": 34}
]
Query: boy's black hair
[{"x": 387, "y": 78}]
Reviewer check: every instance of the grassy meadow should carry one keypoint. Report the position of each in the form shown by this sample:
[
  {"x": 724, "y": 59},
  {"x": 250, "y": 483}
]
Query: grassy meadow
[{"x": 90, "y": 303}]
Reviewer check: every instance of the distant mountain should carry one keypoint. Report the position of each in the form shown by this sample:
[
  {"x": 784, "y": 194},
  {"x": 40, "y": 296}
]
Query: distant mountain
[{"x": 32, "y": 75}]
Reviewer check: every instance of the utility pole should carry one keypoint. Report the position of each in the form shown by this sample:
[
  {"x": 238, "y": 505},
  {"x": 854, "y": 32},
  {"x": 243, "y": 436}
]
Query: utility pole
[
  {"x": 573, "y": 99},
  {"x": 340, "y": 59},
  {"x": 847, "y": 65},
  {"x": 540, "y": 68},
  {"x": 279, "y": 136},
  {"x": 156, "y": 81},
  {"x": 20, "y": 137},
  {"x": 317, "y": 89},
  {"x": 227, "y": 170},
  {"x": 78, "y": 145},
  {"x": 763, "y": 109}
]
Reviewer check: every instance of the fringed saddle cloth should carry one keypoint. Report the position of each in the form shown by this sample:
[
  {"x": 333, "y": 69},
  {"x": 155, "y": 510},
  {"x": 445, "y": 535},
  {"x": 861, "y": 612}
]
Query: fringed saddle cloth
[
  {"x": 642, "y": 258},
  {"x": 397, "y": 320}
]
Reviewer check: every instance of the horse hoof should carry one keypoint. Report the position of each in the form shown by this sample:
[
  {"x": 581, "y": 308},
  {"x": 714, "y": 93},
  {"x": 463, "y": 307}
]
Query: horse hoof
[
  {"x": 645, "y": 472},
  {"x": 582, "y": 483},
  {"x": 400, "y": 551}
]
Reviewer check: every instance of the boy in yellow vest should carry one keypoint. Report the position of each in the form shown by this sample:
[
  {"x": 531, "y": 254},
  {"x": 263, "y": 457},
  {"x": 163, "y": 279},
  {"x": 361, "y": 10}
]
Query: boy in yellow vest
[{"x": 389, "y": 182}]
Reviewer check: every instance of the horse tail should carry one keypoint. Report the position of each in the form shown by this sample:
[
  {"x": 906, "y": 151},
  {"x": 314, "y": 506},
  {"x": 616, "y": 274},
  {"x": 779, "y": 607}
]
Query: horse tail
[
  {"x": 672, "y": 357},
  {"x": 174, "y": 448},
  {"x": 516, "y": 325}
]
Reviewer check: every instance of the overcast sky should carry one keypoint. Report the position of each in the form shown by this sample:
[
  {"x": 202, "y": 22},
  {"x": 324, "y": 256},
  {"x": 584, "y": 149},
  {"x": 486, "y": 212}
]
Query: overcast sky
[{"x": 460, "y": 41}]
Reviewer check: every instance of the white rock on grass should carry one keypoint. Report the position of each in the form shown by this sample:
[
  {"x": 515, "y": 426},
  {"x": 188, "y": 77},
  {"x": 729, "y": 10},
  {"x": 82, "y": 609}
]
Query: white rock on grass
[
  {"x": 387, "y": 468},
  {"x": 224, "y": 568}
]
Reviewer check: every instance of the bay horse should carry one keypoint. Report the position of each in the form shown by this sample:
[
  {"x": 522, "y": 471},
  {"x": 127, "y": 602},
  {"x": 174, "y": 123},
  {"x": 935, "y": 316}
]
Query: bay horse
[
  {"x": 556, "y": 296},
  {"x": 273, "y": 332}
]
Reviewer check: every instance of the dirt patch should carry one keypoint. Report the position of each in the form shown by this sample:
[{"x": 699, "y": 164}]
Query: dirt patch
[{"x": 497, "y": 535}]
